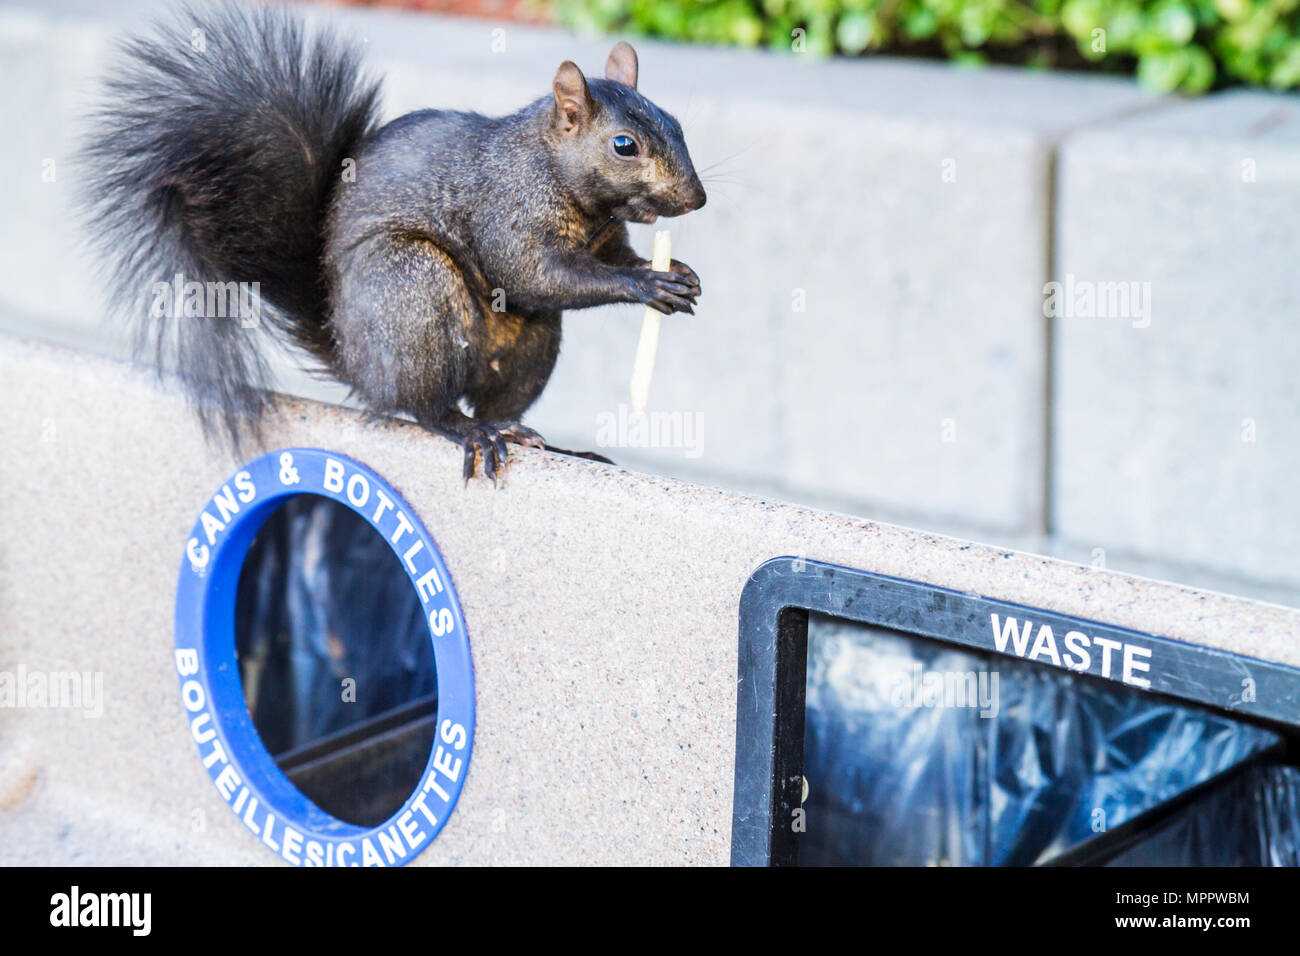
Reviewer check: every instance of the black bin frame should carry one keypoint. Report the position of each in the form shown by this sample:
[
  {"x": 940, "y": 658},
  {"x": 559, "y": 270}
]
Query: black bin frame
[{"x": 773, "y": 650}]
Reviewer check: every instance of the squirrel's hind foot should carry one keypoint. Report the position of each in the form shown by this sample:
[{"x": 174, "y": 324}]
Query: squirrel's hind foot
[{"x": 491, "y": 440}]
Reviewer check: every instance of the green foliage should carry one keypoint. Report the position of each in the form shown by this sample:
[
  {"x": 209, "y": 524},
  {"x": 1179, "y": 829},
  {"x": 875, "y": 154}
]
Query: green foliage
[{"x": 1185, "y": 45}]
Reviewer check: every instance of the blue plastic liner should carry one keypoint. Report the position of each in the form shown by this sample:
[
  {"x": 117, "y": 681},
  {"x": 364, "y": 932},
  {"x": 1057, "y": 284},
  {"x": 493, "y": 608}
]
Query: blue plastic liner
[
  {"x": 919, "y": 754},
  {"x": 322, "y": 598},
  {"x": 1250, "y": 820}
]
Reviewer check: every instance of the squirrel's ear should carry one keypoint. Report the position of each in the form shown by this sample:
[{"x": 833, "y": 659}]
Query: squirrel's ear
[
  {"x": 572, "y": 98},
  {"x": 621, "y": 65}
]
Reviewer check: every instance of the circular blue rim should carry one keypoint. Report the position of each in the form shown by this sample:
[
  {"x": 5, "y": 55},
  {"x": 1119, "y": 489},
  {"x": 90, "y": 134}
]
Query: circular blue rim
[{"x": 212, "y": 694}]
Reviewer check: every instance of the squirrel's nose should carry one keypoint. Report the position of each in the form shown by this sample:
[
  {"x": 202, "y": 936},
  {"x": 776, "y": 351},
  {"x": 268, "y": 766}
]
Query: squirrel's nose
[{"x": 693, "y": 196}]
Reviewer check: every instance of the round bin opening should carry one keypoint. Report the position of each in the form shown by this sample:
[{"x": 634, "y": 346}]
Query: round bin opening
[
  {"x": 311, "y": 607},
  {"x": 335, "y": 660}
]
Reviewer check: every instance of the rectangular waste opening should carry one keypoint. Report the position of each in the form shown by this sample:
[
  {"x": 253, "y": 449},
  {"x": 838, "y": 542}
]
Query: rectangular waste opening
[{"x": 885, "y": 722}]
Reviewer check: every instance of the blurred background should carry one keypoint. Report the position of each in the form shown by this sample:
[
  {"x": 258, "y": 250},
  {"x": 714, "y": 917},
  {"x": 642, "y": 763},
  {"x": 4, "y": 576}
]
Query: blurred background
[{"x": 1017, "y": 271}]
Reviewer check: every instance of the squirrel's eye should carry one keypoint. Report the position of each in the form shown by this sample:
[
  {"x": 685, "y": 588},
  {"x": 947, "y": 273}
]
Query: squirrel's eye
[{"x": 625, "y": 145}]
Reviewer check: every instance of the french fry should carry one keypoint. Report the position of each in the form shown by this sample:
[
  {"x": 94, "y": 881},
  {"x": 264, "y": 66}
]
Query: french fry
[{"x": 646, "y": 347}]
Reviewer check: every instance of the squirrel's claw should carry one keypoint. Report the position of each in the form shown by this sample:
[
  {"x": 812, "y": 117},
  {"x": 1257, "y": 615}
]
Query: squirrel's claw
[
  {"x": 673, "y": 290},
  {"x": 686, "y": 273},
  {"x": 589, "y": 455},
  {"x": 492, "y": 440}
]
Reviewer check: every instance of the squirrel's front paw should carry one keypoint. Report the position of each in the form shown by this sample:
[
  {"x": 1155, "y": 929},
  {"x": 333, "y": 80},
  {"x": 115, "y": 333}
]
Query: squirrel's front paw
[
  {"x": 686, "y": 273},
  {"x": 669, "y": 292},
  {"x": 490, "y": 440}
]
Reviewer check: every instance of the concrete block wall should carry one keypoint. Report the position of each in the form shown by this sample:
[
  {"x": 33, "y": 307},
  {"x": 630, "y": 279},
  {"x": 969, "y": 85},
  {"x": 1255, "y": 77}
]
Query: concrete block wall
[
  {"x": 875, "y": 251},
  {"x": 1178, "y": 425}
]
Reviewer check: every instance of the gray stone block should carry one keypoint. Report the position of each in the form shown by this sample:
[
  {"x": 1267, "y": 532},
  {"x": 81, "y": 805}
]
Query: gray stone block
[
  {"x": 1178, "y": 425},
  {"x": 45, "y": 271},
  {"x": 827, "y": 181}
]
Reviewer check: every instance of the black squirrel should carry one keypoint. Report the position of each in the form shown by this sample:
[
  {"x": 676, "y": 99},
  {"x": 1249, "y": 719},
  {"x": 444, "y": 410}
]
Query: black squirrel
[{"x": 424, "y": 263}]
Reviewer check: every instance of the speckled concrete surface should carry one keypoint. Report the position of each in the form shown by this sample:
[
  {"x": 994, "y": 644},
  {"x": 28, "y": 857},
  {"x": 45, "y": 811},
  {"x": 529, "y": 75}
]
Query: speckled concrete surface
[{"x": 601, "y": 606}]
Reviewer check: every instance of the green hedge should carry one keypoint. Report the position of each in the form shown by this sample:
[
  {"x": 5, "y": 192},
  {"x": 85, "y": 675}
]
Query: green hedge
[{"x": 1187, "y": 45}]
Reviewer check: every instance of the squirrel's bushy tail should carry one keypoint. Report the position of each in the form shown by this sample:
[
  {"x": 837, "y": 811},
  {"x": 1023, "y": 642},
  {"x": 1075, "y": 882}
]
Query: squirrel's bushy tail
[{"x": 212, "y": 158}]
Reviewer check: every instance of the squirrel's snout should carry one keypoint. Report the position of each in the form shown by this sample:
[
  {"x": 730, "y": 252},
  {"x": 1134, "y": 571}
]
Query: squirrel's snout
[{"x": 691, "y": 195}]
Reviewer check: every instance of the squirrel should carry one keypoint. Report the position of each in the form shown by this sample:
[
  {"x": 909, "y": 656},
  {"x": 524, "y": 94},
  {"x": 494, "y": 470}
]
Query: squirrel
[{"x": 424, "y": 263}]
